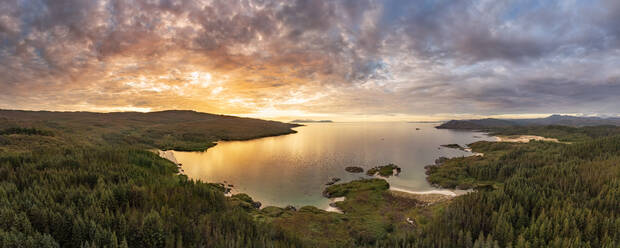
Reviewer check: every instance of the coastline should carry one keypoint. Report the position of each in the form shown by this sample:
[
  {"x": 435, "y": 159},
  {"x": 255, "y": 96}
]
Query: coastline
[
  {"x": 524, "y": 138},
  {"x": 169, "y": 155},
  {"x": 332, "y": 206},
  {"x": 438, "y": 191},
  {"x": 427, "y": 196}
]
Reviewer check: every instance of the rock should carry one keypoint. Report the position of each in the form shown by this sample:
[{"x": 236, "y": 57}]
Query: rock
[
  {"x": 334, "y": 180},
  {"x": 441, "y": 160},
  {"x": 410, "y": 221},
  {"x": 454, "y": 146},
  {"x": 354, "y": 169}
]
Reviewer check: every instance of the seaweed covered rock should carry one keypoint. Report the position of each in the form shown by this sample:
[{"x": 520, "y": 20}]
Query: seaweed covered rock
[
  {"x": 354, "y": 169},
  {"x": 454, "y": 146}
]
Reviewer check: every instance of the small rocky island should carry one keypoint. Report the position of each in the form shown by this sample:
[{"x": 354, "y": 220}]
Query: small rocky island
[
  {"x": 454, "y": 146},
  {"x": 354, "y": 169},
  {"x": 384, "y": 171}
]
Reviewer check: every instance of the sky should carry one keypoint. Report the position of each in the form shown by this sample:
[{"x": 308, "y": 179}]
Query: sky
[{"x": 312, "y": 59}]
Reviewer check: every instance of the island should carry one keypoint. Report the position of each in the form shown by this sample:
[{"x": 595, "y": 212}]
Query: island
[
  {"x": 384, "y": 170},
  {"x": 454, "y": 146},
  {"x": 311, "y": 121},
  {"x": 354, "y": 169}
]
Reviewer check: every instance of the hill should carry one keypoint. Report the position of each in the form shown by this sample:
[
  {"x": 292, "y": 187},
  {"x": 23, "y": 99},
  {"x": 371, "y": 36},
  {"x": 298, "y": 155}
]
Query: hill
[
  {"x": 172, "y": 129},
  {"x": 561, "y": 120}
]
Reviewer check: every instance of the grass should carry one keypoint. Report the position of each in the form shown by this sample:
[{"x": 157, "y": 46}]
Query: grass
[
  {"x": 344, "y": 189},
  {"x": 384, "y": 171},
  {"x": 371, "y": 213}
]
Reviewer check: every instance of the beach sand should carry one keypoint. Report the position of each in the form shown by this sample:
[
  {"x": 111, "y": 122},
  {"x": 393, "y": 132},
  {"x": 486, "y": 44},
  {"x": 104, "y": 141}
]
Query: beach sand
[{"x": 525, "y": 138}]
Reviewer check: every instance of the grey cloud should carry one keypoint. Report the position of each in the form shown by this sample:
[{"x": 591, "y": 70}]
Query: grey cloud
[{"x": 63, "y": 45}]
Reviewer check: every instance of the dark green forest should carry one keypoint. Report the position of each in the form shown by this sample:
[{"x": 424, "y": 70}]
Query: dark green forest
[
  {"x": 65, "y": 183},
  {"x": 537, "y": 194},
  {"x": 71, "y": 183}
]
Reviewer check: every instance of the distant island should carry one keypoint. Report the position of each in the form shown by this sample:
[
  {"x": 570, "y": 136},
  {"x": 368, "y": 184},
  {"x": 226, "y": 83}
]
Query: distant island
[
  {"x": 559, "y": 120},
  {"x": 311, "y": 121}
]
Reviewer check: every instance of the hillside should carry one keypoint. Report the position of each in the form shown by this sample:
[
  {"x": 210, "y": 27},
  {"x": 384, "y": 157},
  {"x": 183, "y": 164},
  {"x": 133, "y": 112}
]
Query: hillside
[
  {"x": 561, "y": 120},
  {"x": 173, "y": 129},
  {"x": 77, "y": 179}
]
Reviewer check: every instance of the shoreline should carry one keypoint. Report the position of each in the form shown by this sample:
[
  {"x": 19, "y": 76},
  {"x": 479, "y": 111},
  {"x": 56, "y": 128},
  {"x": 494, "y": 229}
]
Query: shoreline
[
  {"x": 169, "y": 155},
  {"x": 428, "y": 196},
  {"x": 332, "y": 207},
  {"x": 524, "y": 138},
  {"x": 438, "y": 191}
]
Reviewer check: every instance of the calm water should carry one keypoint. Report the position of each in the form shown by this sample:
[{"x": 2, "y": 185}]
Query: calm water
[{"x": 293, "y": 169}]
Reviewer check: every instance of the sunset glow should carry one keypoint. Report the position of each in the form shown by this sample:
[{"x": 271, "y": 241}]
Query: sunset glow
[{"x": 344, "y": 60}]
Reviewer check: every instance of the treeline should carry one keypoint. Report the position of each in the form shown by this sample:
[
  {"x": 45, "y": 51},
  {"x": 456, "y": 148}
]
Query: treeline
[
  {"x": 543, "y": 194},
  {"x": 117, "y": 197}
]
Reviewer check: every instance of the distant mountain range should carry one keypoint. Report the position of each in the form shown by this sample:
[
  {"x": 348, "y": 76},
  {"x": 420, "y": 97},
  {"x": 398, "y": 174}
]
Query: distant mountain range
[
  {"x": 311, "y": 121},
  {"x": 562, "y": 120}
]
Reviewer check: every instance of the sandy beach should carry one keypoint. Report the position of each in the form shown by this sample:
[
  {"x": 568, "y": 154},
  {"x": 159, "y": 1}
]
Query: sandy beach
[
  {"x": 428, "y": 197},
  {"x": 331, "y": 208},
  {"x": 525, "y": 138}
]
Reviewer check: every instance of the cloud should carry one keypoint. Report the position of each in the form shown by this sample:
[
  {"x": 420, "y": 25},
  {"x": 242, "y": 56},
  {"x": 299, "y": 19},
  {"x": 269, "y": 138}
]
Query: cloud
[{"x": 365, "y": 57}]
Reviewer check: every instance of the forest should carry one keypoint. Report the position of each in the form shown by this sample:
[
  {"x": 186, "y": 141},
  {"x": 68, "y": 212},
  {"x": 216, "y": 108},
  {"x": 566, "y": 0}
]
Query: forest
[
  {"x": 537, "y": 194},
  {"x": 66, "y": 183}
]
